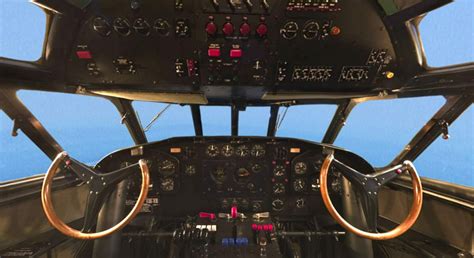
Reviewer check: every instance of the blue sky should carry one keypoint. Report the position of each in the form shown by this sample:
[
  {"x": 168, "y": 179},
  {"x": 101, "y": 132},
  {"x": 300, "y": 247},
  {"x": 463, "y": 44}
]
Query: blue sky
[{"x": 376, "y": 130}]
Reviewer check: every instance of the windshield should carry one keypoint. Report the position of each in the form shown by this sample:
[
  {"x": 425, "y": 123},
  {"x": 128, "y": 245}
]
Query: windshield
[{"x": 89, "y": 127}]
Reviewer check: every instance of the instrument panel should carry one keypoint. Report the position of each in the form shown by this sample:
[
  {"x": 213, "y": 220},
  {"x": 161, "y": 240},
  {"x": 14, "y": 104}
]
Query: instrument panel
[
  {"x": 214, "y": 45},
  {"x": 212, "y": 174}
]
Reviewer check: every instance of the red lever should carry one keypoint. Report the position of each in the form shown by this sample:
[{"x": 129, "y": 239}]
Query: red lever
[
  {"x": 233, "y": 212},
  {"x": 204, "y": 215}
]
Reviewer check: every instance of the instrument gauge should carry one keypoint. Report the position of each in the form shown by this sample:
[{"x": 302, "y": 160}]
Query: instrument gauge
[
  {"x": 227, "y": 150},
  {"x": 300, "y": 168},
  {"x": 317, "y": 165},
  {"x": 278, "y": 205},
  {"x": 242, "y": 151},
  {"x": 258, "y": 150},
  {"x": 162, "y": 27},
  {"x": 142, "y": 27},
  {"x": 310, "y": 30},
  {"x": 167, "y": 167},
  {"x": 242, "y": 175},
  {"x": 299, "y": 185},
  {"x": 279, "y": 170},
  {"x": 101, "y": 26},
  {"x": 212, "y": 150},
  {"x": 256, "y": 168},
  {"x": 219, "y": 175},
  {"x": 122, "y": 26},
  {"x": 167, "y": 184},
  {"x": 279, "y": 188},
  {"x": 190, "y": 170}
]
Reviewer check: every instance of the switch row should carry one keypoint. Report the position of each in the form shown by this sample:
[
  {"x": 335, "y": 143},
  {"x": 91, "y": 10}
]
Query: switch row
[{"x": 216, "y": 52}]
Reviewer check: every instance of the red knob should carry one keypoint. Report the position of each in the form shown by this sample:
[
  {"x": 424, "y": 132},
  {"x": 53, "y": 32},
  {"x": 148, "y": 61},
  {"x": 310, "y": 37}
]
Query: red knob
[
  {"x": 211, "y": 28},
  {"x": 228, "y": 29},
  {"x": 262, "y": 30},
  {"x": 233, "y": 212},
  {"x": 245, "y": 29}
]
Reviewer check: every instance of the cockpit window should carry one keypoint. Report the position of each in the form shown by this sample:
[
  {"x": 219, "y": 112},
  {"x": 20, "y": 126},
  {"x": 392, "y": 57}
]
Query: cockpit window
[
  {"x": 19, "y": 156},
  {"x": 161, "y": 121},
  {"x": 445, "y": 157},
  {"x": 447, "y": 34},
  {"x": 216, "y": 120},
  {"x": 254, "y": 121},
  {"x": 88, "y": 128},
  {"x": 22, "y": 30},
  {"x": 308, "y": 122},
  {"x": 379, "y": 130}
]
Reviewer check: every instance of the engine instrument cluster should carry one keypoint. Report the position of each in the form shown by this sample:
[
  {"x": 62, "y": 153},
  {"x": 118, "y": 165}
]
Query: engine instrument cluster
[{"x": 255, "y": 174}]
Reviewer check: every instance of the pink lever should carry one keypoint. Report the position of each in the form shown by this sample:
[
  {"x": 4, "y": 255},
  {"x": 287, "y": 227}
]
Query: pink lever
[
  {"x": 204, "y": 215},
  {"x": 233, "y": 212}
]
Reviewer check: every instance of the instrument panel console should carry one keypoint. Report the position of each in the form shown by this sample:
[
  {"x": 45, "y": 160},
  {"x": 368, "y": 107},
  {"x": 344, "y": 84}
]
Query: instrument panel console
[
  {"x": 213, "y": 174},
  {"x": 275, "y": 45}
]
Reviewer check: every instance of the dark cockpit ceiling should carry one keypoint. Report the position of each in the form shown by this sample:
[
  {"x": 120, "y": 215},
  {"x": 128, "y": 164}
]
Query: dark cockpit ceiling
[{"x": 249, "y": 52}]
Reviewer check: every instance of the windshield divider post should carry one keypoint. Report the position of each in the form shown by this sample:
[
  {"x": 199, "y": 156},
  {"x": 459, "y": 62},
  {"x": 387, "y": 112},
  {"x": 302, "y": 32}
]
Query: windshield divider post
[
  {"x": 235, "y": 120},
  {"x": 28, "y": 123},
  {"x": 272, "y": 121},
  {"x": 448, "y": 113},
  {"x": 130, "y": 118},
  {"x": 197, "y": 121},
  {"x": 338, "y": 121}
]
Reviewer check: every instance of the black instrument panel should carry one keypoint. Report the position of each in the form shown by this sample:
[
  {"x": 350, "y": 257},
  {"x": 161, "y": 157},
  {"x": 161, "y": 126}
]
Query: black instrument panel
[
  {"x": 212, "y": 174},
  {"x": 200, "y": 45}
]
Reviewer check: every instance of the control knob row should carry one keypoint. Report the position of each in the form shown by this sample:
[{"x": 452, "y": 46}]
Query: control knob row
[{"x": 228, "y": 28}]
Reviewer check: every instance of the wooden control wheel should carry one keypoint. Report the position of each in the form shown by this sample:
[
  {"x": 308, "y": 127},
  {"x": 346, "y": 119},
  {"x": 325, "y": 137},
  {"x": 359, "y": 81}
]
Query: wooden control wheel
[
  {"x": 100, "y": 185},
  {"x": 369, "y": 186}
]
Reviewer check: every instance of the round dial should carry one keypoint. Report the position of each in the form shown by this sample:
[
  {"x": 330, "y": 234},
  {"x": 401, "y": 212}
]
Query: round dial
[
  {"x": 300, "y": 203},
  {"x": 300, "y": 168},
  {"x": 310, "y": 30},
  {"x": 122, "y": 26},
  {"x": 242, "y": 175},
  {"x": 167, "y": 184},
  {"x": 227, "y": 150},
  {"x": 278, "y": 188},
  {"x": 256, "y": 168},
  {"x": 142, "y": 27},
  {"x": 242, "y": 151},
  {"x": 289, "y": 30},
  {"x": 317, "y": 165},
  {"x": 278, "y": 205},
  {"x": 219, "y": 175},
  {"x": 190, "y": 170},
  {"x": 162, "y": 27},
  {"x": 258, "y": 150},
  {"x": 299, "y": 185},
  {"x": 167, "y": 167},
  {"x": 101, "y": 26},
  {"x": 279, "y": 170},
  {"x": 212, "y": 150}
]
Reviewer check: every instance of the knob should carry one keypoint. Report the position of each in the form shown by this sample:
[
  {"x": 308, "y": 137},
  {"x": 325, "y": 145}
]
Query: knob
[
  {"x": 211, "y": 28},
  {"x": 228, "y": 29},
  {"x": 245, "y": 29},
  {"x": 262, "y": 30}
]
